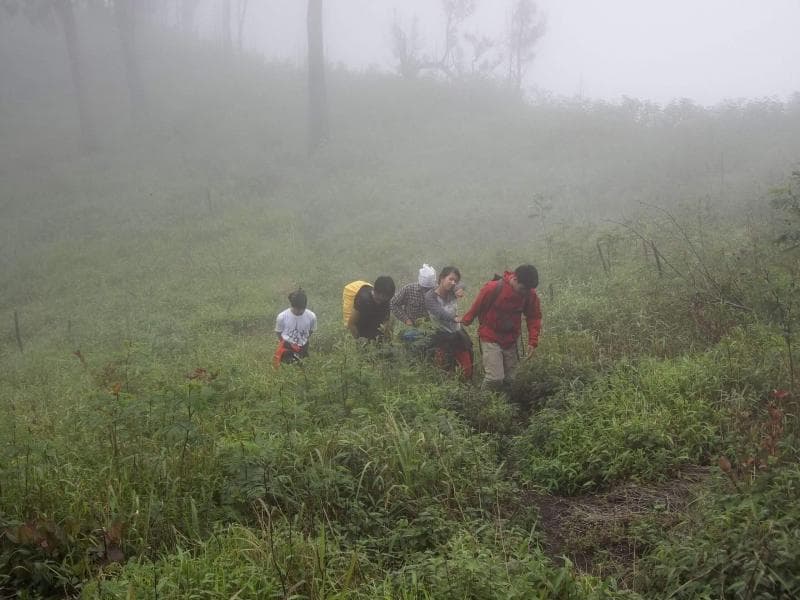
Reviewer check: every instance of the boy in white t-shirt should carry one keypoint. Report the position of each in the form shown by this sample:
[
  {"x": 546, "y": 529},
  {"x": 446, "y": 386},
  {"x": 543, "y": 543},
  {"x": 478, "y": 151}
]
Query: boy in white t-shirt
[{"x": 294, "y": 327}]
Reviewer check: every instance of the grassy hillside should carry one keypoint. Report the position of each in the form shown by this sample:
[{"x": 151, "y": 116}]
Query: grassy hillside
[{"x": 149, "y": 450}]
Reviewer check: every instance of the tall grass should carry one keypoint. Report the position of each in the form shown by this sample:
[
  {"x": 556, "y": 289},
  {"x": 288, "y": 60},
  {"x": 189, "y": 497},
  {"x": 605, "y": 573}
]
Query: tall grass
[{"x": 148, "y": 449}]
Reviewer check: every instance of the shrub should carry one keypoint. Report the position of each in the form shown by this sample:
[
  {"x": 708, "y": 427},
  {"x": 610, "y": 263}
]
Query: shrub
[
  {"x": 740, "y": 545},
  {"x": 640, "y": 421}
]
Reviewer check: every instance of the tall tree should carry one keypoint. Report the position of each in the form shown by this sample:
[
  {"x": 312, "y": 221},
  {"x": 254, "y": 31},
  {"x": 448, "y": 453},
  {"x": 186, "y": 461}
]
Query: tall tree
[
  {"x": 66, "y": 15},
  {"x": 449, "y": 62},
  {"x": 452, "y": 61},
  {"x": 188, "y": 10},
  {"x": 526, "y": 29},
  {"x": 317, "y": 89},
  {"x": 241, "y": 15},
  {"x": 484, "y": 55},
  {"x": 406, "y": 47},
  {"x": 227, "y": 37},
  {"x": 125, "y": 13}
]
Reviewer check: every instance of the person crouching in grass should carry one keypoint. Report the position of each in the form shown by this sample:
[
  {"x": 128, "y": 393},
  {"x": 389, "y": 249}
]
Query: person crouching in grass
[
  {"x": 294, "y": 327},
  {"x": 451, "y": 341}
]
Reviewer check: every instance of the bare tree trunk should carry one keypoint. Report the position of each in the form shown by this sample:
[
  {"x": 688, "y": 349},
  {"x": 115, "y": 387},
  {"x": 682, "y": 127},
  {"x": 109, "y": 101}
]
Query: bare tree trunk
[
  {"x": 515, "y": 54},
  {"x": 125, "y": 13},
  {"x": 227, "y": 39},
  {"x": 241, "y": 14},
  {"x": 66, "y": 15},
  {"x": 19, "y": 337},
  {"x": 187, "y": 14},
  {"x": 317, "y": 91},
  {"x": 526, "y": 29}
]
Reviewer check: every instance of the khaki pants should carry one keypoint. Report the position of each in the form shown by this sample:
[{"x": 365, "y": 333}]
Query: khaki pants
[{"x": 498, "y": 363}]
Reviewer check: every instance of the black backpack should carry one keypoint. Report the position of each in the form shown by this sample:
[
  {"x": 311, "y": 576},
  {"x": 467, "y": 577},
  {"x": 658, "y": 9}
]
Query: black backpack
[{"x": 496, "y": 294}]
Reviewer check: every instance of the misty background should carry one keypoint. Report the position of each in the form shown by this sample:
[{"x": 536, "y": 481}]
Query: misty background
[
  {"x": 171, "y": 170},
  {"x": 708, "y": 51},
  {"x": 185, "y": 144}
]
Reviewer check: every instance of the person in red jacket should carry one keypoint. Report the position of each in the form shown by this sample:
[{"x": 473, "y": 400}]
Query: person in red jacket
[{"x": 499, "y": 308}]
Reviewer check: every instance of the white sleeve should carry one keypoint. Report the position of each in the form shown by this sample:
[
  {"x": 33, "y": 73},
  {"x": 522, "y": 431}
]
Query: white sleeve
[
  {"x": 279, "y": 324},
  {"x": 314, "y": 323}
]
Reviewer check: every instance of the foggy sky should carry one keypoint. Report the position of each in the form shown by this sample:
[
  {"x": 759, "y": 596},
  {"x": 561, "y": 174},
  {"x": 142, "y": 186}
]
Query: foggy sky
[{"x": 707, "y": 50}]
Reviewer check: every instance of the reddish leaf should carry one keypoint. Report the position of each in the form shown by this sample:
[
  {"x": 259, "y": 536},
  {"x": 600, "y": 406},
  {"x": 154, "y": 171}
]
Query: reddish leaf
[
  {"x": 724, "y": 464},
  {"x": 28, "y": 533},
  {"x": 114, "y": 554},
  {"x": 114, "y": 532},
  {"x": 80, "y": 357}
]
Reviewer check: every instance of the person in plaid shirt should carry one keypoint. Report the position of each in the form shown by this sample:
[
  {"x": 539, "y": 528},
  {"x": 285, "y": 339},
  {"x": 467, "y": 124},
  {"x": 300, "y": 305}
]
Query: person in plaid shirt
[{"x": 408, "y": 304}]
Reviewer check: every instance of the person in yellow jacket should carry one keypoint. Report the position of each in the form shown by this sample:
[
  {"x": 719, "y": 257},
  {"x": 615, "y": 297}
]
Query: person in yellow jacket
[{"x": 370, "y": 316}]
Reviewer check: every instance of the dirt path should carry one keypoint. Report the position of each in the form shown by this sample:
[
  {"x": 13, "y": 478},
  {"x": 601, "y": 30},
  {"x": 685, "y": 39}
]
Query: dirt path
[{"x": 597, "y": 533}]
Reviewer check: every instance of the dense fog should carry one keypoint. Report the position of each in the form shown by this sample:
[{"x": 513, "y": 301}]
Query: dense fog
[
  {"x": 709, "y": 51},
  {"x": 211, "y": 100},
  {"x": 211, "y": 209}
]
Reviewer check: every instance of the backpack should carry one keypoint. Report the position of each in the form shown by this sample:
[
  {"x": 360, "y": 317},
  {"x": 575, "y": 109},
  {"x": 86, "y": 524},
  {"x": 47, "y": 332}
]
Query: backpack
[
  {"x": 348, "y": 297},
  {"x": 496, "y": 293}
]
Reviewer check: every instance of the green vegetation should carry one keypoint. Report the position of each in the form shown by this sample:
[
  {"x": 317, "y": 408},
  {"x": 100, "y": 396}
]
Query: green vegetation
[
  {"x": 739, "y": 544},
  {"x": 148, "y": 449}
]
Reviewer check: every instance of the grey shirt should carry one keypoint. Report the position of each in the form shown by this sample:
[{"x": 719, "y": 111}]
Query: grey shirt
[{"x": 443, "y": 311}]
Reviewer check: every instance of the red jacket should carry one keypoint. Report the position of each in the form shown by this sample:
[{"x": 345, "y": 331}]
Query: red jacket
[{"x": 501, "y": 322}]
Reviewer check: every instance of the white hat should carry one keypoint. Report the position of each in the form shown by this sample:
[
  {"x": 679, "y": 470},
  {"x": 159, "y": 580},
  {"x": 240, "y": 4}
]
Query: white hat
[{"x": 427, "y": 276}]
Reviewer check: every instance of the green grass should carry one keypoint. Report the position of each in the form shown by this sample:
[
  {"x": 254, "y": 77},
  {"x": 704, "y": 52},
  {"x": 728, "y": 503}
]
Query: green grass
[
  {"x": 149, "y": 449},
  {"x": 738, "y": 544}
]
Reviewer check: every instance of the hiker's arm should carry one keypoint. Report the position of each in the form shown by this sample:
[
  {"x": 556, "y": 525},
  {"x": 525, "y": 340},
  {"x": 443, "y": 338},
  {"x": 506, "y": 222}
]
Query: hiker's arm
[
  {"x": 352, "y": 323},
  {"x": 397, "y": 304},
  {"x": 388, "y": 326},
  {"x": 533, "y": 318},
  {"x": 279, "y": 328},
  {"x": 475, "y": 309}
]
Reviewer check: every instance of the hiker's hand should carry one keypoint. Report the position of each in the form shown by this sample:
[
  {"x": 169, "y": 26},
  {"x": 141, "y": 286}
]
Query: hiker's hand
[
  {"x": 457, "y": 319},
  {"x": 409, "y": 322},
  {"x": 459, "y": 292}
]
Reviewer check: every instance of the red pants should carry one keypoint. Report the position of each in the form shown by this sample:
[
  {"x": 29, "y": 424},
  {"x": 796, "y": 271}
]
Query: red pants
[
  {"x": 288, "y": 353},
  {"x": 462, "y": 357}
]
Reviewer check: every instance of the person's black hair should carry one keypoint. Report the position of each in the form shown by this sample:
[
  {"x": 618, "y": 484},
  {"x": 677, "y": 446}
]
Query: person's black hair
[
  {"x": 298, "y": 299},
  {"x": 527, "y": 275},
  {"x": 384, "y": 285},
  {"x": 447, "y": 270}
]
